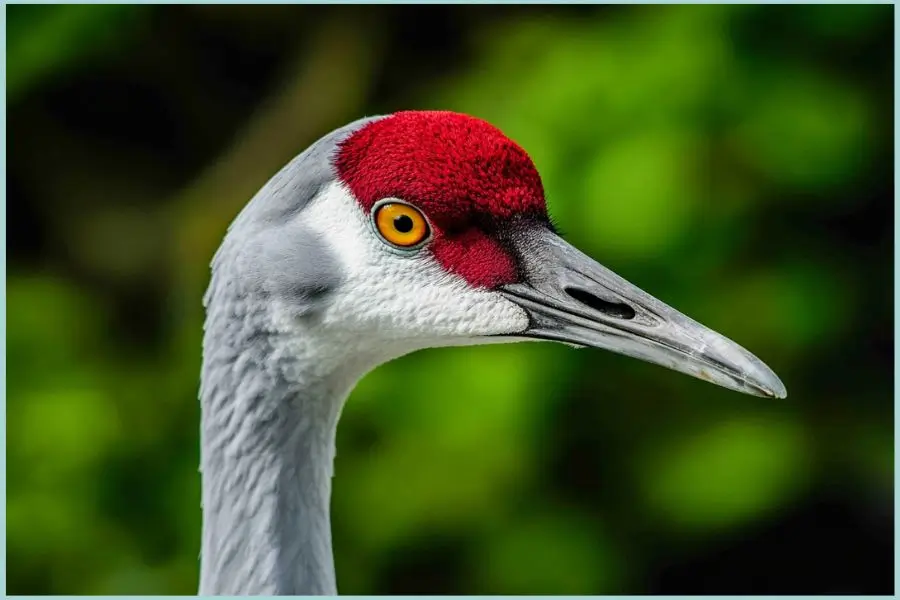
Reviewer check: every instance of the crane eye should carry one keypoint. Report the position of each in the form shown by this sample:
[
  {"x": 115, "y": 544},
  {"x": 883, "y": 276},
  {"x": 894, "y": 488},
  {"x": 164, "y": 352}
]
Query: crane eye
[{"x": 401, "y": 225}]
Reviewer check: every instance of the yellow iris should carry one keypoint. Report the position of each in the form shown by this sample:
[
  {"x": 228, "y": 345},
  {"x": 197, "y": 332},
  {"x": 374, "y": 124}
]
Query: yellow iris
[{"x": 401, "y": 224}]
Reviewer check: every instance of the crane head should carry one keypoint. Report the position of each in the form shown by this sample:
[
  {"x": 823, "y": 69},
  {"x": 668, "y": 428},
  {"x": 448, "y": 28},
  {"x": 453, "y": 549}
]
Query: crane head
[{"x": 429, "y": 228}]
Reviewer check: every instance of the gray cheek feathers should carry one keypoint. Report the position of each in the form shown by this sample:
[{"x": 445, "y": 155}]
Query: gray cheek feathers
[
  {"x": 296, "y": 266},
  {"x": 276, "y": 255}
]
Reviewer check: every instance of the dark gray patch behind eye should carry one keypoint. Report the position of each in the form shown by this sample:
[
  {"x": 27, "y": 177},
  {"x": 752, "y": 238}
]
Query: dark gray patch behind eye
[
  {"x": 294, "y": 264},
  {"x": 268, "y": 252}
]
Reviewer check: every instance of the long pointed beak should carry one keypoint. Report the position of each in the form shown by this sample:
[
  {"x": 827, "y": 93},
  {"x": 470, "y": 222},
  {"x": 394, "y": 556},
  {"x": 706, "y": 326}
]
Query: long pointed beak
[{"x": 573, "y": 299}]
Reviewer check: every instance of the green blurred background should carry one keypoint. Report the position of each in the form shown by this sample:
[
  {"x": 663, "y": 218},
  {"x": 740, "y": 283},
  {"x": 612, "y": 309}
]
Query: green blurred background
[{"x": 734, "y": 161}]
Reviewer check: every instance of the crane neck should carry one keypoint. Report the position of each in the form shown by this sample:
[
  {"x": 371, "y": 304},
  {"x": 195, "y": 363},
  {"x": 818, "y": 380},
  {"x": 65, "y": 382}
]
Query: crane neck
[{"x": 269, "y": 420}]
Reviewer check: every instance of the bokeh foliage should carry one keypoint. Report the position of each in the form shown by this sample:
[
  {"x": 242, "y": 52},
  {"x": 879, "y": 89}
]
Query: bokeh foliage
[{"x": 734, "y": 161}]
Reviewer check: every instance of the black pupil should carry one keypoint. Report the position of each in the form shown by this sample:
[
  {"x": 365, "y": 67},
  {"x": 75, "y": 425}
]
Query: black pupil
[{"x": 403, "y": 224}]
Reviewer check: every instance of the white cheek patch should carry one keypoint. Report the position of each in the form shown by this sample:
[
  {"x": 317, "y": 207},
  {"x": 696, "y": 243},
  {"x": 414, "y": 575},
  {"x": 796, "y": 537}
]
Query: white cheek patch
[{"x": 393, "y": 296}]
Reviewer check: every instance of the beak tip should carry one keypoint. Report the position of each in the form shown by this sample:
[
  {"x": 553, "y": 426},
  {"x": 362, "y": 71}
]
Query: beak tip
[
  {"x": 771, "y": 386},
  {"x": 779, "y": 391}
]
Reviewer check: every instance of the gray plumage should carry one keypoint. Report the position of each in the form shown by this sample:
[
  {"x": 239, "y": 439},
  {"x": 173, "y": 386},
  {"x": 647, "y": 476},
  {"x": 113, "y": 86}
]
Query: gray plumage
[
  {"x": 267, "y": 420},
  {"x": 308, "y": 294}
]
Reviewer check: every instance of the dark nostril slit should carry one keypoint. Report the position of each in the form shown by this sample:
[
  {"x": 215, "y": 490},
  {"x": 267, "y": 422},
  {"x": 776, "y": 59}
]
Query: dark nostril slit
[{"x": 613, "y": 309}]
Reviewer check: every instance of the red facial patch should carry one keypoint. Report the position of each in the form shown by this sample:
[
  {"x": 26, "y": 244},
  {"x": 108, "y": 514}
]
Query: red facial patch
[{"x": 466, "y": 176}]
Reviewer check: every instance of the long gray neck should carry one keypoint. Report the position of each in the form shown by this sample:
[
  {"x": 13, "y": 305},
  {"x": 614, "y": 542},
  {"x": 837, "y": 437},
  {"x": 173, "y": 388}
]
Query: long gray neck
[{"x": 267, "y": 450}]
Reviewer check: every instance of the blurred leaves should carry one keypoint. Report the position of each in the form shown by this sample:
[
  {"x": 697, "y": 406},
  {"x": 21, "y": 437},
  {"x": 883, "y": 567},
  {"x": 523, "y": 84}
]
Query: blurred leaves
[
  {"x": 45, "y": 41},
  {"x": 429, "y": 439},
  {"x": 728, "y": 473},
  {"x": 805, "y": 131},
  {"x": 660, "y": 188},
  {"x": 556, "y": 552}
]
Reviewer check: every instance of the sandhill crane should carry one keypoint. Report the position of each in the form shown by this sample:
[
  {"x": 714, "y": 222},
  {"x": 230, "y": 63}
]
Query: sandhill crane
[{"x": 391, "y": 234}]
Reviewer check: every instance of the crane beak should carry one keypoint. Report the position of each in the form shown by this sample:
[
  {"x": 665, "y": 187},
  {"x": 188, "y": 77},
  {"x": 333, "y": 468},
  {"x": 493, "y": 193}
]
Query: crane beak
[{"x": 573, "y": 299}]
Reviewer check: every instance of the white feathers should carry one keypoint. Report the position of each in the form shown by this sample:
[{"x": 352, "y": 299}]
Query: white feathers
[{"x": 406, "y": 302}]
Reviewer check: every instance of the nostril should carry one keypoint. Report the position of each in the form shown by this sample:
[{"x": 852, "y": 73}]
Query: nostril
[{"x": 619, "y": 310}]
